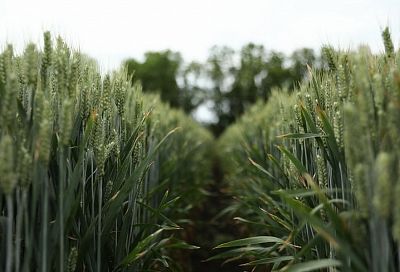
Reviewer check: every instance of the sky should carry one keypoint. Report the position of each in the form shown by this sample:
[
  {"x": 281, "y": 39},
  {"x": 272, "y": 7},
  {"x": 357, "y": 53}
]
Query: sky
[{"x": 112, "y": 31}]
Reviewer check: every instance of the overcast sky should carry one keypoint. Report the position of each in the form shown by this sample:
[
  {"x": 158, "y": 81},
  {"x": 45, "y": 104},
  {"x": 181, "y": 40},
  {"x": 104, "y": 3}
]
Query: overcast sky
[{"x": 113, "y": 30}]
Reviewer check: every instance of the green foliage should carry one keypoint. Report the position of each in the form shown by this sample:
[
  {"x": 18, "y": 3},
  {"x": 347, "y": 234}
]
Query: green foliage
[
  {"x": 158, "y": 73},
  {"x": 318, "y": 169},
  {"x": 91, "y": 169},
  {"x": 253, "y": 78},
  {"x": 229, "y": 81}
]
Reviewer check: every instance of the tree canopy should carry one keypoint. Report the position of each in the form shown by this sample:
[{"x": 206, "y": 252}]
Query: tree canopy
[{"x": 230, "y": 81}]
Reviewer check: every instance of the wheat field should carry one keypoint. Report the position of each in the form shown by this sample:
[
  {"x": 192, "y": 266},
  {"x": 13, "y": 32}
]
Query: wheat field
[{"x": 96, "y": 175}]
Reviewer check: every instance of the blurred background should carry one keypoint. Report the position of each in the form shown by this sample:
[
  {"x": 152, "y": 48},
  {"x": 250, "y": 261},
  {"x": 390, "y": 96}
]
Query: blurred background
[{"x": 211, "y": 58}]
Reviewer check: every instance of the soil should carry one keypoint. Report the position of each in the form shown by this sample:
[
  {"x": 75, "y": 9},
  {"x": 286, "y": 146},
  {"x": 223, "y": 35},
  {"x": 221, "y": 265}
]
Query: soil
[{"x": 210, "y": 228}]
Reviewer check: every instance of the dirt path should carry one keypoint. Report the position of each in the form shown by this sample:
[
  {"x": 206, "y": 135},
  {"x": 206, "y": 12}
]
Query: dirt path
[{"x": 209, "y": 229}]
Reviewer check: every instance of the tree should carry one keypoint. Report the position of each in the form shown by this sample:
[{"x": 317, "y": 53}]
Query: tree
[
  {"x": 277, "y": 75},
  {"x": 158, "y": 73},
  {"x": 230, "y": 81},
  {"x": 219, "y": 67},
  {"x": 299, "y": 61},
  {"x": 246, "y": 86},
  {"x": 192, "y": 93}
]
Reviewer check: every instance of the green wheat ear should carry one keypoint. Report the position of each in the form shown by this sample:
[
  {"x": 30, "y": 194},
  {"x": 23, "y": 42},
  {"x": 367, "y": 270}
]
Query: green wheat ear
[
  {"x": 120, "y": 91},
  {"x": 25, "y": 166},
  {"x": 65, "y": 121},
  {"x": 8, "y": 177},
  {"x": 47, "y": 56},
  {"x": 31, "y": 60},
  {"x": 106, "y": 94},
  {"x": 383, "y": 196},
  {"x": 72, "y": 259},
  {"x": 331, "y": 57},
  {"x": 387, "y": 41}
]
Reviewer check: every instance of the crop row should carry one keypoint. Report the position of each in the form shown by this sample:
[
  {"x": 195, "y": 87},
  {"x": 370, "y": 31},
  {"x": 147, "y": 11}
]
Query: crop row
[
  {"x": 91, "y": 169},
  {"x": 316, "y": 171}
]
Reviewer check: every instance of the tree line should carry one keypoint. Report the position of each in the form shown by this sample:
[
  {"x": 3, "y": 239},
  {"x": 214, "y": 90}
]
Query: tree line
[{"x": 228, "y": 82}]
